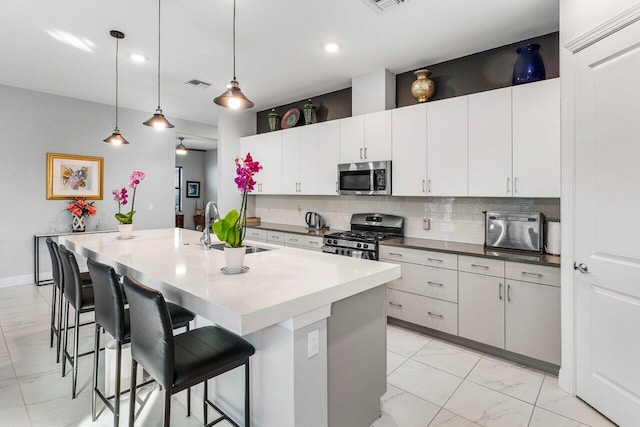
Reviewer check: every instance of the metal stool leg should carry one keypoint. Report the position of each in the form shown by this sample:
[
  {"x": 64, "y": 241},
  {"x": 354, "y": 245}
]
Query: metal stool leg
[
  {"x": 132, "y": 395},
  {"x": 206, "y": 397},
  {"x": 247, "y": 413},
  {"x": 76, "y": 339},
  {"x": 116, "y": 406},
  {"x": 66, "y": 338},
  {"x": 59, "y": 340},
  {"x": 95, "y": 374},
  {"x": 189, "y": 389},
  {"x": 167, "y": 407},
  {"x": 53, "y": 315}
]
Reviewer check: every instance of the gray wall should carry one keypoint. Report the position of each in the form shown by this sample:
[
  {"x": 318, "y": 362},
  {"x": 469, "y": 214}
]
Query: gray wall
[
  {"x": 211, "y": 175},
  {"x": 34, "y": 124},
  {"x": 193, "y": 169}
]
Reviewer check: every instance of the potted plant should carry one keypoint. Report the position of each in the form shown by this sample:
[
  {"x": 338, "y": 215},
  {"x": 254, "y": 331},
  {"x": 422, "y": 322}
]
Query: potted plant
[
  {"x": 121, "y": 196},
  {"x": 80, "y": 209},
  {"x": 231, "y": 229}
]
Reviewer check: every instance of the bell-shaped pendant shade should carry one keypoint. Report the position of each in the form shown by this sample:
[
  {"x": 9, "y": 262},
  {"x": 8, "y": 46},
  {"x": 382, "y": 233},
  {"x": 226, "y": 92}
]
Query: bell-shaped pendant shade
[
  {"x": 181, "y": 150},
  {"x": 158, "y": 121},
  {"x": 116, "y": 138},
  {"x": 233, "y": 98}
]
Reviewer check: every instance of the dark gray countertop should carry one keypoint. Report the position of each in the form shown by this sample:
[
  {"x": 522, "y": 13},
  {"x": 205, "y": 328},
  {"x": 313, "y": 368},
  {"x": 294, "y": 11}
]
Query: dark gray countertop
[
  {"x": 473, "y": 250},
  {"x": 296, "y": 229}
]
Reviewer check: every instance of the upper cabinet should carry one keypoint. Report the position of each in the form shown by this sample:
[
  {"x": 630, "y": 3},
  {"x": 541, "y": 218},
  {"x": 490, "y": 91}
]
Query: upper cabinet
[
  {"x": 366, "y": 138},
  {"x": 328, "y": 157},
  {"x": 490, "y": 170},
  {"x": 266, "y": 148},
  {"x": 536, "y": 139},
  {"x": 447, "y": 147},
  {"x": 409, "y": 150}
]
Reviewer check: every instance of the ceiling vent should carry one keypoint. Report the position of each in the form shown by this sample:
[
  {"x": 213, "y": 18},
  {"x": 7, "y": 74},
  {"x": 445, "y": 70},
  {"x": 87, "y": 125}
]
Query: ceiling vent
[
  {"x": 383, "y": 5},
  {"x": 198, "y": 83}
]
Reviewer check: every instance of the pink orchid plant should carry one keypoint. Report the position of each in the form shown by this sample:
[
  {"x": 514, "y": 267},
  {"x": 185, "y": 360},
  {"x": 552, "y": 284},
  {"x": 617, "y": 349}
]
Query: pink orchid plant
[
  {"x": 121, "y": 196},
  {"x": 231, "y": 228}
]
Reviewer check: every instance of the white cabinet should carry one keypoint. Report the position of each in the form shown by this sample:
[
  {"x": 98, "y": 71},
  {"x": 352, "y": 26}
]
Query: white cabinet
[
  {"x": 490, "y": 169},
  {"x": 266, "y": 148},
  {"x": 313, "y": 243},
  {"x": 409, "y": 150},
  {"x": 366, "y": 138},
  {"x": 294, "y": 240},
  {"x": 256, "y": 234},
  {"x": 536, "y": 139},
  {"x": 300, "y": 160},
  {"x": 275, "y": 237},
  {"x": 429, "y": 312},
  {"x": 447, "y": 147},
  {"x": 328, "y": 157},
  {"x": 481, "y": 308}
]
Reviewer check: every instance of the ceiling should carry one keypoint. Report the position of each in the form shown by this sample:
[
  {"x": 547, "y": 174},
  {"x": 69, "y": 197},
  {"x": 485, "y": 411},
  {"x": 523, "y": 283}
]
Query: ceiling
[{"x": 279, "y": 45}]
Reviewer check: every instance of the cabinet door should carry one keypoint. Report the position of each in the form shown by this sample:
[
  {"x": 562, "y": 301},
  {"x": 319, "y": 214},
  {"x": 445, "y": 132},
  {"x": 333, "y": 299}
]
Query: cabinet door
[
  {"x": 308, "y": 160},
  {"x": 533, "y": 320},
  {"x": 377, "y": 136},
  {"x": 290, "y": 160},
  {"x": 536, "y": 139},
  {"x": 490, "y": 143},
  {"x": 481, "y": 308},
  {"x": 267, "y": 149},
  {"x": 328, "y": 157},
  {"x": 447, "y": 147},
  {"x": 409, "y": 150},
  {"x": 352, "y": 139}
]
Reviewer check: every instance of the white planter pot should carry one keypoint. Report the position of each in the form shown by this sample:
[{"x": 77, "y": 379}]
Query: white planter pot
[
  {"x": 234, "y": 258},
  {"x": 125, "y": 230}
]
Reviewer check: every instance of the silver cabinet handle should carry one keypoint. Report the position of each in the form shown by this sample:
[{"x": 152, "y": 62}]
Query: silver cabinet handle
[
  {"x": 393, "y": 304},
  {"x": 508, "y": 186},
  {"x": 360, "y": 153},
  {"x": 365, "y": 153},
  {"x": 394, "y": 254},
  {"x": 300, "y": 186},
  {"x": 313, "y": 242},
  {"x": 437, "y": 316},
  {"x": 434, "y": 283},
  {"x": 424, "y": 186},
  {"x": 582, "y": 267},
  {"x": 527, "y": 273},
  {"x": 429, "y": 186},
  {"x": 485, "y": 267},
  {"x": 434, "y": 260},
  {"x": 500, "y": 291},
  {"x": 294, "y": 240},
  {"x": 509, "y": 293},
  {"x": 337, "y": 190},
  {"x": 515, "y": 184},
  {"x": 275, "y": 237}
]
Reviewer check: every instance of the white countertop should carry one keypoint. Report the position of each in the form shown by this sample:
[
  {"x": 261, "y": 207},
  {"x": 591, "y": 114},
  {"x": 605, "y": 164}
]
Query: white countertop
[{"x": 281, "y": 284}]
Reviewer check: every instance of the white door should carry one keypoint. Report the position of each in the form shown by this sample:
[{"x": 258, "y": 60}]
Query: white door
[
  {"x": 352, "y": 139},
  {"x": 328, "y": 157},
  {"x": 290, "y": 160},
  {"x": 481, "y": 308},
  {"x": 266, "y": 148},
  {"x": 409, "y": 150},
  {"x": 377, "y": 136},
  {"x": 607, "y": 228},
  {"x": 308, "y": 160}
]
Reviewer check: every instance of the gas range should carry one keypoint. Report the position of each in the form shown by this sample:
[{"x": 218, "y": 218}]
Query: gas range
[{"x": 366, "y": 231}]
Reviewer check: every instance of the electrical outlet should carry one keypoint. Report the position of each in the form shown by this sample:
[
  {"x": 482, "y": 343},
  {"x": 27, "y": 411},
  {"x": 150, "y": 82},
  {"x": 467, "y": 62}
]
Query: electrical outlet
[
  {"x": 426, "y": 223},
  {"x": 313, "y": 343}
]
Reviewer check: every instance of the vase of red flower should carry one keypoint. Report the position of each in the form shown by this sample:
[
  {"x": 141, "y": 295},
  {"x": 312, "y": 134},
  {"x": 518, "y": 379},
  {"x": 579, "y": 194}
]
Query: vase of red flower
[
  {"x": 121, "y": 196},
  {"x": 80, "y": 209}
]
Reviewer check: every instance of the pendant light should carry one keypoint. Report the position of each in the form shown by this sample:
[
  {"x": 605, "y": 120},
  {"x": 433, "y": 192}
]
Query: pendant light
[
  {"x": 181, "y": 150},
  {"x": 158, "y": 120},
  {"x": 233, "y": 96},
  {"x": 116, "y": 138}
]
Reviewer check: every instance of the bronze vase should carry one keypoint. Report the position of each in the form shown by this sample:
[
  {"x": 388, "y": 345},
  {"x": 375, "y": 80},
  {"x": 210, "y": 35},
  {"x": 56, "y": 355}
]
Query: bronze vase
[{"x": 423, "y": 88}]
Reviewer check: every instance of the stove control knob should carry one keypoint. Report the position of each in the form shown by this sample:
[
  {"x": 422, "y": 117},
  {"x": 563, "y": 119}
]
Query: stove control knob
[
  {"x": 366, "y": 246},
  {"x": 359, "y": 245}
]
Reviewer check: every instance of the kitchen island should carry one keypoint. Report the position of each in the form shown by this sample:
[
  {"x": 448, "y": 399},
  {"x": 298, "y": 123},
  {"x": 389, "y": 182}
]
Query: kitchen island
[{"x": 317, "y": 320}]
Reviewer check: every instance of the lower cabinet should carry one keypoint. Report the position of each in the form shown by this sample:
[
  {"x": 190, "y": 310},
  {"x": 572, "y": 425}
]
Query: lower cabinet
[
  {"x": 424, "y": 311},
  {"x": 481, "y": 308},
  {"x": 313, "y": 243}
]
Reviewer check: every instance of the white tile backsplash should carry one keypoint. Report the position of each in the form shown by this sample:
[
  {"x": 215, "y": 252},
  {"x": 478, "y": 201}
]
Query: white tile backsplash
[{"x": 458, "y": 219}]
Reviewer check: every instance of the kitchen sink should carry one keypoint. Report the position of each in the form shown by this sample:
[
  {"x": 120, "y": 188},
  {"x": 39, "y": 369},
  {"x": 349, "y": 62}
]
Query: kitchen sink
[{"x": 250, "y": 249}]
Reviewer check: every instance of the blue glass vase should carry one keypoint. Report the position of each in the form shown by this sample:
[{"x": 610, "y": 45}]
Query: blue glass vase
[{"x": 529, "y": 66}]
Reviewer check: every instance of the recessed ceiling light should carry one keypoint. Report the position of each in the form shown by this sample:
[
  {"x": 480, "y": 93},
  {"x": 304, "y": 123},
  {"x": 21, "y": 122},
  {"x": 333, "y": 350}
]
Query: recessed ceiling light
[
  {"x": 136, "y": 57},
  {"x": 331, "y": 47}
]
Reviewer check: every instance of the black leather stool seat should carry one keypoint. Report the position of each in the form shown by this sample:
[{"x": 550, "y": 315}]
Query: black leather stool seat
[{"x": 205, "y": 352}]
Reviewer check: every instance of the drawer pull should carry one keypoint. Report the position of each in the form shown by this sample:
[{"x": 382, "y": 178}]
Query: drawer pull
[
  {"x": 275, "y": 237},
  {"x": 500, "y": 291},
  {"x": 437, "y": 316},
  {"x": 486, "y": 267},
  {"x": 509, "y": 293},
  {"x": 394, "y": 254},
  {"x": 395, "y": 305},
  {"x": 526, "y": 273},
  {"x": 294, "y": 240},
  {"x": 435, "y": 260},
  {"x": 435, "y": 283},
  {"x": 313, "y": 242}
]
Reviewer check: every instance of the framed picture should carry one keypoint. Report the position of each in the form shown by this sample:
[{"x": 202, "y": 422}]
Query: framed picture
[
  {"x": 71, "y": 176},
  {"x": 193, "y": 189}
]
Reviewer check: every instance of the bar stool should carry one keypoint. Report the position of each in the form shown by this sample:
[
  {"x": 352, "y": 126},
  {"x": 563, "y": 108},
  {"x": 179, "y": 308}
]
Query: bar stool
[
  {"x": 111, "y": 314},
  {"x": 181, "y": 361},
  {"x": 81, "y": 298},
  {"x": 58, "y": 290}
]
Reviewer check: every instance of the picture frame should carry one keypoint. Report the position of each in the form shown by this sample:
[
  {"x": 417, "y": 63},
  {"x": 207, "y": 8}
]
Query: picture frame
[
  {"x": 193, "y": 189},
  {"x": 70, "y": 176}
]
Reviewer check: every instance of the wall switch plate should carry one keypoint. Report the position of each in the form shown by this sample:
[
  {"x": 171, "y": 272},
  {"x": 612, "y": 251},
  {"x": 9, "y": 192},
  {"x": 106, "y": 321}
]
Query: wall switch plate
[
  {"x": 426, "y": 223},
  {"x": 313, "y": 343}
]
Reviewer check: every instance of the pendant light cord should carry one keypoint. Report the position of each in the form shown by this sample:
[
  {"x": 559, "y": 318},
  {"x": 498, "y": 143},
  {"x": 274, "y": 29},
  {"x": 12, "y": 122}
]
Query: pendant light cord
[
  {"x": 234, "y": 39},
  {"x": 159, "y": 2},
  {"x": 117, "y": 46}
]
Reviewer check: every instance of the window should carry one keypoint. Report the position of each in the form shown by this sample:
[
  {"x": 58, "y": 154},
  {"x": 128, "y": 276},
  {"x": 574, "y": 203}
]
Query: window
[{"x": 178, "y": 185}]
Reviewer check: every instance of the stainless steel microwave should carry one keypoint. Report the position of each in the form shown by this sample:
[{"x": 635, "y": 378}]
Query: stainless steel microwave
[{"x": 366, "y": 178}]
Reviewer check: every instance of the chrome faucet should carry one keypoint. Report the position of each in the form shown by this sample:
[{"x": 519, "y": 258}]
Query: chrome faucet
[{"x": 206, "y": 234}]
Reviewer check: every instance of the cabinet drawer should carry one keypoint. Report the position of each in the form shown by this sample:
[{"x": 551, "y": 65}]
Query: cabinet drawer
[
  {"x": 293, "y": 239},
  {"x": 542, "y": 274},
  {"x": 275, "y": 237},
  {"x": 417, "y": 256},
  {"x": 425, "y": 311},
  {"x": 313, "y": 243},
  {"x": 256, "y": 234},
  {"x": 432, "y": 282},
  {"x": 486, "y": 266}
]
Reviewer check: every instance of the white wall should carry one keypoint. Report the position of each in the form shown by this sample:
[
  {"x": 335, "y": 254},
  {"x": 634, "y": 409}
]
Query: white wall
[
  {"x": 34, "y": 124},
  {"x": 193, "y": 169},
  {"x": 211, "y": 175},
  {"x": 580, "y": 16}
]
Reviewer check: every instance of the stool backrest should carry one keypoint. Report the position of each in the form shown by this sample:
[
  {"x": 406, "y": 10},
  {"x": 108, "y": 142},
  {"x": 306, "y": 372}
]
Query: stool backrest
[
  {"x": 56, "y": 268},
  {"x": 151, "y": 331},
  {"x": 71, "y": 277},
  {"x": 108, "y": 299}
]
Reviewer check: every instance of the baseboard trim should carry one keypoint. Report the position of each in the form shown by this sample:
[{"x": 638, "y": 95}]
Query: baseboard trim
[{"x": 25, "y": 279}]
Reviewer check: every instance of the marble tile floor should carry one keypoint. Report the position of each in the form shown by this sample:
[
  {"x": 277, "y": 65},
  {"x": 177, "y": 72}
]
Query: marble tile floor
[
  {"x": 430, "y": 382},
  {"x": 434, "y": 383}
]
